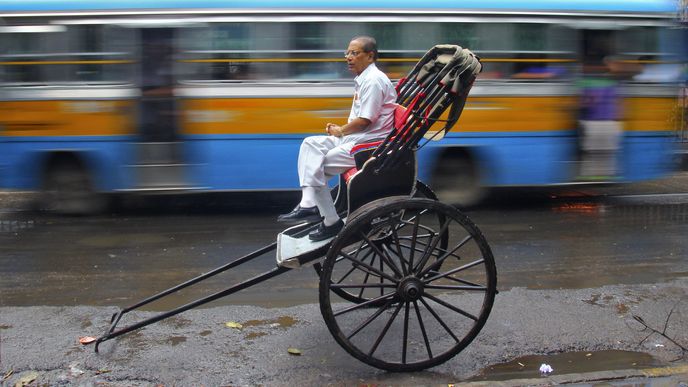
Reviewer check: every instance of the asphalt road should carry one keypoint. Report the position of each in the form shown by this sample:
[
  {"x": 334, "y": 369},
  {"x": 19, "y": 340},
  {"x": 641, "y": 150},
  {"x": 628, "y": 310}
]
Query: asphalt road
[{"x": 628, "y": 245}]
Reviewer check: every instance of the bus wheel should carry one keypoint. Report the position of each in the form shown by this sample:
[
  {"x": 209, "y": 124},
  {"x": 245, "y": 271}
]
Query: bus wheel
[
  {"x": 457, "y": 181},
  {"x": 67, "y": 190}
]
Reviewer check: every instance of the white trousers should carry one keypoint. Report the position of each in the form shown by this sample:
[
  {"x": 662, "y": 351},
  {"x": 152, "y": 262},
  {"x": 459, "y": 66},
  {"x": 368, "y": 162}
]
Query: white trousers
[
  {"x": 322, "y": 157},
  {"x": 601, "y": 142},
  {"x": 601, "y": 135}
]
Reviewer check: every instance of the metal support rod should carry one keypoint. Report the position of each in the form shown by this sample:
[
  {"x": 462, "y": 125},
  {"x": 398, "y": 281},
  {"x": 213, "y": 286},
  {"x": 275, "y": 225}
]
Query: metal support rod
[
  {"x": 111, "y": 333},
  {"x": 209, "y": 274}
]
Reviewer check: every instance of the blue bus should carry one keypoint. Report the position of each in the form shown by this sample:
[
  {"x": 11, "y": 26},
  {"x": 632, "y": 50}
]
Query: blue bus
[{"x": 187, "y": 96}]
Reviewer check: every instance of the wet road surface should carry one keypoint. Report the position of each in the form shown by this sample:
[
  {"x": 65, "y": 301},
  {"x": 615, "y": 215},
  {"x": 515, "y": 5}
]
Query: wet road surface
[
  {"x": 575, "y": 266},
  {"x": 568, "y": 238}
]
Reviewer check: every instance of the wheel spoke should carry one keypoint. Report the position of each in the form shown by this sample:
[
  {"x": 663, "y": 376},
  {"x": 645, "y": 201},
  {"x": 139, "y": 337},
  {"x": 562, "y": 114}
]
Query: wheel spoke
[
  {"x": 431, "y": 247},
  {"x": 363, "y": 285},
  {"x": 364, "y": 304},
  {"x": 440, "y": 260},
  {"x": 404, "y": 344},
  {"x": 400, "y": 255},
  {"x": 422, "y": 329},
  {"x": 455, "y": 270},
  {"x": 450, "y": 306},
  {"x": 461, "y": 281},
  {"x": 456, "y": 287},
  {"x": 382, "y": 255},
  {"x": 414, "y": 240},
  {"x": 439, "y": 320},
  {"x": 384, "y": 330},
  {"x": 365, "y": 265},
  {"x": 370, "y": 319},
  {"x": 354, "y": 266}
]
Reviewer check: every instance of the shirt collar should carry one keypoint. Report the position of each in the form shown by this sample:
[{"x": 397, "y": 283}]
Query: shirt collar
[{"x": 359, "y": 78}]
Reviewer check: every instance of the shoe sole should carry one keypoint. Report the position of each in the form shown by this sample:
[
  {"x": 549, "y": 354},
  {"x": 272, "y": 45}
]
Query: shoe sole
[
  {"x": 327, "y": 237},
  {"x": 300, "y": 221}
]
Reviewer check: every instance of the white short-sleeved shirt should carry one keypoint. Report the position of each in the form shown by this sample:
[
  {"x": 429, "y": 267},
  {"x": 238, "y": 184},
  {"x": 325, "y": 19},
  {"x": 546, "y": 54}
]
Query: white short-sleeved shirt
[{"x": 374, "y": 100}]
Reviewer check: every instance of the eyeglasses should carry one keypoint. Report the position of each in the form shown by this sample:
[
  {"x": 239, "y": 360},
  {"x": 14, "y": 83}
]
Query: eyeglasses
[{"x": 352, "y": 53}]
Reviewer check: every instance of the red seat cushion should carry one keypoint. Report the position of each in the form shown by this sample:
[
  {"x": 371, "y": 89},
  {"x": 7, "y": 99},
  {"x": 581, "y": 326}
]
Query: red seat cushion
[{"x": 401, "y": 115}]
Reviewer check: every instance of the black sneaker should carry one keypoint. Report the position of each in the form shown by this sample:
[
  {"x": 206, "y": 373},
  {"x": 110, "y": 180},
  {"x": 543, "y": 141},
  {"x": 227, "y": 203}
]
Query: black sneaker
[
  {"x": 301, "y": 215},
  {"x": 326, "y": 232}
]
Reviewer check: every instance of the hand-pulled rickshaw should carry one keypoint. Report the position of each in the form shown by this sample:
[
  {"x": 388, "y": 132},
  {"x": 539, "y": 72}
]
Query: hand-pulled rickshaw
[{"x": 409, "y": 281}]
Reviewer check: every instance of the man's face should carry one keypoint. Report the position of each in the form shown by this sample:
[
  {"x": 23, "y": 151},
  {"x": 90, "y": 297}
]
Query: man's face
[{"x": 356, "y": 59}]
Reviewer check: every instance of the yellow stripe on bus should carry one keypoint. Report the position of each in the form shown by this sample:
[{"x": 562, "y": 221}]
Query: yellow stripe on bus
[
  {"x": 67, "y": 118},
  {"x": 215, "y": 116}
]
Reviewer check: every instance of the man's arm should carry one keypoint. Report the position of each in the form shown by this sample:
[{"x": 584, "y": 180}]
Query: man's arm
[{"x": 356, "y": 125}]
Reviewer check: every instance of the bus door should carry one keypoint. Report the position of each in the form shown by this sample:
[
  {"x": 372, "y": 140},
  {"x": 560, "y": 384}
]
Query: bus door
[{"x": 159, "y": 151}]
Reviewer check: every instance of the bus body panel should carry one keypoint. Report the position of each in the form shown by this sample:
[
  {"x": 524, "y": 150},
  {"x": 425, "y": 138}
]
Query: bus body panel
[{"x": 245, "y": 85}]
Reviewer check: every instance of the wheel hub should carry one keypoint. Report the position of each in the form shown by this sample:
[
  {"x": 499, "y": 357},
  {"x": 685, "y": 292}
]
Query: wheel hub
[{"x": 410, "y": 289}]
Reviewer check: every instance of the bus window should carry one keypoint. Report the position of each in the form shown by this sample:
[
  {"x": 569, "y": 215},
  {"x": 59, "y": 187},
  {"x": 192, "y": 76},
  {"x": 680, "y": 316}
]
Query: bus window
[
  {"x": 492, "y": 43},
  {"x": 310, "y": 41},
  {"x": 638, "y": 41},
  {"x": 543, "y": 51},
  {"x": 101, "y": 53},
  {"x": 217, "y": 52},
  {"x": 271, "y": 44},
  {"x": 29, "y": 50},
  {"x": 414, "y": 40},
  {"x": 462, "y": 34},
  {"x": 651, "y": 54}
]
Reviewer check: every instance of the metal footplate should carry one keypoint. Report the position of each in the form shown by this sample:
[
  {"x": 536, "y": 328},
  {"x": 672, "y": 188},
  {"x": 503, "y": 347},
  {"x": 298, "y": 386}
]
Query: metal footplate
[{"x": 295, "y": 249}]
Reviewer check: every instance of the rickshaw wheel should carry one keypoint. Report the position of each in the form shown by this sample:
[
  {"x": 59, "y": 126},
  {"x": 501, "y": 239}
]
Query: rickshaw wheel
[
  {"x": 424, "y": 303},
  {"x": 421, "y": 190}
]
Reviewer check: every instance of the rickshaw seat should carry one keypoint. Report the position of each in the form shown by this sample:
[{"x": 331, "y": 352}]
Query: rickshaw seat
[{"x": 361, "y": 152}]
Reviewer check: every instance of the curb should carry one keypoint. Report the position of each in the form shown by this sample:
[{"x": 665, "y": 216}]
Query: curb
[{"x": 678, "y": 374}]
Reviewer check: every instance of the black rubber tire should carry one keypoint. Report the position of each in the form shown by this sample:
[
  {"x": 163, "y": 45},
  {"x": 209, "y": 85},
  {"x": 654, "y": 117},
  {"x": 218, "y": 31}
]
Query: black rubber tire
[
  {"x": 457, "y": 181},
  {"x": 67, "y": 190},
  {"x": 422, "y": 308}
]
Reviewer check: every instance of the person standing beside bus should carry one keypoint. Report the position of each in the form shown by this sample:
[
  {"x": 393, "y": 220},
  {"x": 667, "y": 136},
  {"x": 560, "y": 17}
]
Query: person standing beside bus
[
  {"x": 600, "y": 120},
  {"x": 322, "y": 157}
]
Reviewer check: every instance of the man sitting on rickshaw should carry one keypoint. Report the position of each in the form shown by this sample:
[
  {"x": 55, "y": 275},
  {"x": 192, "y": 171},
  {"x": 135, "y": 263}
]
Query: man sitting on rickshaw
[{"x": 322, "y": 157}]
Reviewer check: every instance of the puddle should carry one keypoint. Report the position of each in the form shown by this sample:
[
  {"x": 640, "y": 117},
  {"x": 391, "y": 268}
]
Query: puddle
[
  {"x": 255, "y": 335},
  {"x": 176, "y": 340},
  {"x": 528, "y": 367},
  {"x": 282, "y": 322}
]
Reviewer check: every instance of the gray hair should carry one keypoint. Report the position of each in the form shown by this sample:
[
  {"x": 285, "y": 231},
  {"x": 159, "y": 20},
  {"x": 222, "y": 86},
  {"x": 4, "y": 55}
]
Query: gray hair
[{"x": 369, "y": 44}]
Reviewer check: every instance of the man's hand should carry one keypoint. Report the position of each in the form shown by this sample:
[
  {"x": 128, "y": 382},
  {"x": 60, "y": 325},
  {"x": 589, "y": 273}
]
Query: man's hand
[
  {"x": 356, "y": 125},
  {"x": 334, "y": 130}
]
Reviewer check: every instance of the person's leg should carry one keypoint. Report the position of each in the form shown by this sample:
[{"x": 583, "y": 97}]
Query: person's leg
[
  {"x": 337, "y": 161},
  {"x": 311, "y": 176},
  {"x": 311, "y": 164}
]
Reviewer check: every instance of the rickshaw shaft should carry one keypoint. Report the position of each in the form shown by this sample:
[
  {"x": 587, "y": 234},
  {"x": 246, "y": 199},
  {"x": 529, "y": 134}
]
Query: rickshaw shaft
[{"x": 112, "y": 333}]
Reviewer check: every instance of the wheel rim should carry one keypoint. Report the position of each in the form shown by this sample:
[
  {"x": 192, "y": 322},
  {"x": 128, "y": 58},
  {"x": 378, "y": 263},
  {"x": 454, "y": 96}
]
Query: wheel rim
[{"x": 420, "y": 301}]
